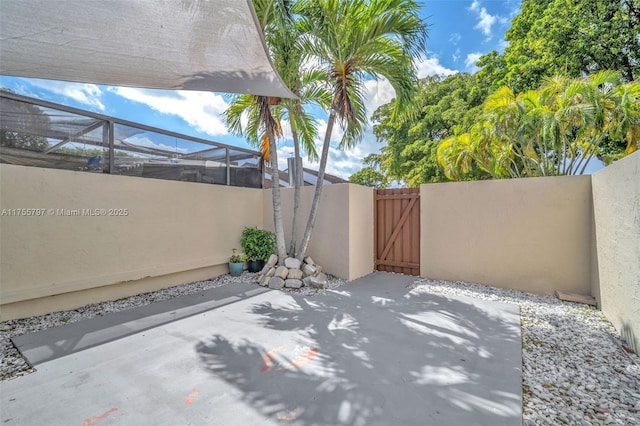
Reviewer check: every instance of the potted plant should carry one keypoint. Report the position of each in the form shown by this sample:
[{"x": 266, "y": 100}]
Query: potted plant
[
  {"x": 258, "y": 245},
  {"x": 236, "y": 263}
]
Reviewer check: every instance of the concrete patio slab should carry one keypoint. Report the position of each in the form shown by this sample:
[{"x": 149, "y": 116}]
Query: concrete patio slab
[
  {"x": 372, "y": 352},
  {"x": 57, "y": 342}
]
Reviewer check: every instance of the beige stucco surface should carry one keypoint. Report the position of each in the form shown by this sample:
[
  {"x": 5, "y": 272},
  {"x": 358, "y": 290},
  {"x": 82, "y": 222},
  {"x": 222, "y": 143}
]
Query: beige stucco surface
[
  {"x": 75, "y": 299},
  {"x": 361, "y": 252},
  {"x": 339, "y": 242},
  {"x": 170, "y": 228},
  {"x": 616, "y": 202},
  {"x": 528, "y": 234}
]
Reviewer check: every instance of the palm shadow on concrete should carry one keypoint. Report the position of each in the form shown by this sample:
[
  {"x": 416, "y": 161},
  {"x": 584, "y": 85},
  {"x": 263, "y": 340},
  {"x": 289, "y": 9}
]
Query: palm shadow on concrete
[{"x": 374, "y": 353}]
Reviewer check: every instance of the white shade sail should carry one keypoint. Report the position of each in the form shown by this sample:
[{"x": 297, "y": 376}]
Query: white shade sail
[{"x": 206, "y": 45}]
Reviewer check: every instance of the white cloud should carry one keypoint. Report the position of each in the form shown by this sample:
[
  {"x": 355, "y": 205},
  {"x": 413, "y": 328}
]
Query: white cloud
[
  {"x": 471, "y": 60},
  {"x": 456, "y": 55},
  {"x": 485, "y": 20},
  {"x": 345, "y": 163},
  {"x": 336, "y": 133},
  {"x": 201, "y": 110},
  {"x": 432, "y": 66},
  {"x": 87, "y": 94},
  {"x": 377, "y": 92},
  {"x": 342, "y": 163},
  {"x": 455, "y": 38},
  {"x": 515, "y": 8}
]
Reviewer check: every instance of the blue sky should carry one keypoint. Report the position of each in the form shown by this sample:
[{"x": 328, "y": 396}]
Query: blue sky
[{"x": 459, "y": 32}]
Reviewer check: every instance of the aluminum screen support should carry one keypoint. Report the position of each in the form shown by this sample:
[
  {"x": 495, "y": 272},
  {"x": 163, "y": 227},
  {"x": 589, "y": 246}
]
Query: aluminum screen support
[
  {"x": 228, "y": 167},
  {"x": 112, "y": 152},
  {"x": 76, "y": 135}
]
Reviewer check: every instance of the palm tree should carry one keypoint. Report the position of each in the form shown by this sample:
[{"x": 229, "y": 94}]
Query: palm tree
[
  {"x": 350, "y": 41},
  {"x": 303, "y": 129},
  {"x": 263, "y": 125},
  {"x": 282, "y": 38},
  {"x": 288, "y": 57},
  {"x": 554, "y": 130}
]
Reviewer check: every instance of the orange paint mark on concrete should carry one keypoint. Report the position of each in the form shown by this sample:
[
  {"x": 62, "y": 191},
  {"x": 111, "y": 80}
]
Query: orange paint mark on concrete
[
  {"x": 192, "y": 396},
  {"x": 102, "y": 416},
  {"x": 304, "y": 358},
  {"x": 268, "y": 359},
  {"x": 300, "y": 361}
]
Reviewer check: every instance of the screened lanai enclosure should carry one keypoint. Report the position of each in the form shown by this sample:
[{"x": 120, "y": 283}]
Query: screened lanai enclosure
[{"x": 43, "y": 134}]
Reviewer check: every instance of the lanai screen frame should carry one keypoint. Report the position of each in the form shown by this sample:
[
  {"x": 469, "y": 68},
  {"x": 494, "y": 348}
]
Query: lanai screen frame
[{"x": 108, "y": 130}]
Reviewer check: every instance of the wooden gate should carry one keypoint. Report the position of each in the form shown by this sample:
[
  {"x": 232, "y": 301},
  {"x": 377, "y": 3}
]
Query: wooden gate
[{"x": 397, "y": 230}]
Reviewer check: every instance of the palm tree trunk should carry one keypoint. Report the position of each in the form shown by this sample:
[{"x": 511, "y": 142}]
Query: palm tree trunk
[
  {"x": 304, "y": 245},
  {"x": 275, "y": 192},
  {"x": 296, "y": 191}
]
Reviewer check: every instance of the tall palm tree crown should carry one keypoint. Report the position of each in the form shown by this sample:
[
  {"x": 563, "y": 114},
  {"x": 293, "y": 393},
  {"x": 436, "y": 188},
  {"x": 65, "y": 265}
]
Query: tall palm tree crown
[
  {"x": 325, "y": 50},
  {"x": 351, "y": 41}
]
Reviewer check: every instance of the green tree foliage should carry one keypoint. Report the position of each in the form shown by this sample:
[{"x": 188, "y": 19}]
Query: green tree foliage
[
  {"x": 568, "y": 37},
  {"x": 258, "y": 244},
  {"x": 554, "y": 130},
  {"x": 84, "y": 152},
  {"x": 448, "y": 104},
  {"x": 369, "y": 177}
]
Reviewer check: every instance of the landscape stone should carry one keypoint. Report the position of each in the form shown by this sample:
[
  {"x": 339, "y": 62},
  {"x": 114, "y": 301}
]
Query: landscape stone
[
  {"x": 273, "y": 260},
  {"x": 292, "y": 263},
  {"x": 265, "y": 269},
  {"x": 282, "y": 272},
  {"x": 309, "y": 261},
  {"x": 317, "y": 282},
  {"x": 293, "y": 283},
  {"x": 295, "y": 274},
  {"x": 264, "y": 280},
  {"x": 318, "y": 269},
  {"x": 276, "y": 283},
  {"x": 271, "y": 272},
  {"x": 321, "y": 276},
  {"x": 306, "y": 282},
  {"x": 308, "y": 270},
  {"x": 573, "y": 297}
]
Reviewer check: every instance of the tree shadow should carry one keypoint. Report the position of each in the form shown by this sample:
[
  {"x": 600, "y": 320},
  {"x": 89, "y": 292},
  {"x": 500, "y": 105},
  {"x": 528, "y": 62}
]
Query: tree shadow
[{"x": 375, "y": 353}]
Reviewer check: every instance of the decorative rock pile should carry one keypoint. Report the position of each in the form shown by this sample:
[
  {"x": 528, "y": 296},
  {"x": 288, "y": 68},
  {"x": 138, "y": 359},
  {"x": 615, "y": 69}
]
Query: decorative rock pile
[{"x": 292, "y": 274}]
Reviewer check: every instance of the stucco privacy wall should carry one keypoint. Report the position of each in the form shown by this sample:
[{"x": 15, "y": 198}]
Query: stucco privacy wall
[
  {"x": 173, "y": 233},
  {"x": 616, "y": 203},
  {"x": 342, "y": 240},
  {"x": 528, "y": 234}
]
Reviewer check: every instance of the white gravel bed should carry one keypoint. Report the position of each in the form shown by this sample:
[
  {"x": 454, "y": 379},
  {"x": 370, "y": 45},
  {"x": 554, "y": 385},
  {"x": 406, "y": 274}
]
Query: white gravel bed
[
  {"x": 13, "y": 364},
  {"x": 574, "y": 368}
]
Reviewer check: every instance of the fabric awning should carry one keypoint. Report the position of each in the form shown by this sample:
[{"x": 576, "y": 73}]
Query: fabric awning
[{"x": 206, "y": 45}]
